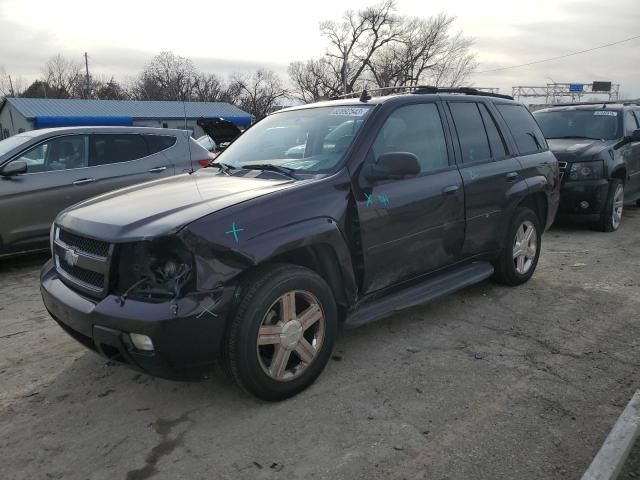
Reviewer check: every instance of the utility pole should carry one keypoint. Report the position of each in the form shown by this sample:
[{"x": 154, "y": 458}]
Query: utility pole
[
  {"x": 87, "y": 88},
  {"x": 11, "y": 87}
]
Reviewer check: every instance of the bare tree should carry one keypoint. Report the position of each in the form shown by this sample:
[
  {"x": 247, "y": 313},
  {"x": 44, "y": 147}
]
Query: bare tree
[
  {"x": 314, "y": 80},
  {"x": 209, "y": 88},
  {"x": 63, "y": 77},
  {"x": 257, "y": 93},
  {"x": 419, "y": 48},
  {"x": 357, "y": 37},
  {"x": 110, "y": 90},
  {"x": 167, "y": 77},
  {"x": 456, "y": 65}
]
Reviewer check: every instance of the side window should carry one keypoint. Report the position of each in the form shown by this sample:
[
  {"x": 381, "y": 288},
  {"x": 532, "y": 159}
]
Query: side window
[
  {"x": 496, "y": 142},
  {"x": 61, "y": 153},
  {"x": 525, "y": 130},
  {"x": 116, "y": 148},
  {"x": 416, "y": 129},
  {"x": 630, "y": 123},
  {"x": 157, "y": 143},
  {"x": 471, "y": 133}
]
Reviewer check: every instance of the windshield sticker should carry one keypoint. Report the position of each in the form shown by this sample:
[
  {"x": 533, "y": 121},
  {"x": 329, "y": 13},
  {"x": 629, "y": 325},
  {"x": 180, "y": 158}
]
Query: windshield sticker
[
  {"x": 349, "y": 111},
  {"x": 606, "y": 113}
]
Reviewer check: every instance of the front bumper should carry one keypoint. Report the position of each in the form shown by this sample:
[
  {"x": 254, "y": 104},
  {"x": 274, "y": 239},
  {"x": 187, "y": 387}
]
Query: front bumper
[
  {"x": 574, "y": 193},
  {"x": 187, "y": 334}
]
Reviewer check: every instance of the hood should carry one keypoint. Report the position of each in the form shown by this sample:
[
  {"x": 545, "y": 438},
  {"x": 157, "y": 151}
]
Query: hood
[
  {"x": 574, "y": 149},
  {"x": 219, "y": 129},
  {"x": 163, "y": 206}
]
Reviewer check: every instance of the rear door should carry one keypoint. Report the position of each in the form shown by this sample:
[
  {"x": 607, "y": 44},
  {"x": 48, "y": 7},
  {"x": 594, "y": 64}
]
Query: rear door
[
  {"x": 411, "y": 226},
  {"x": 121, "y": 159},
  {"x": 55, "y": 179},
  {"x": 489, "y": 173}
]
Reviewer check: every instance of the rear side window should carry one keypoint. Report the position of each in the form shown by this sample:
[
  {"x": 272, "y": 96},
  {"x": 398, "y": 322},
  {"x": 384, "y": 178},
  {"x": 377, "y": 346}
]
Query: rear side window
[
  {"x": 158, "y": 143},
  {"x": 525, "y": 130},
  {"x": 496, "y": 141},
  {"x": 108, "y": 149},
  {"x": 471, "y": 133},
  {"x": 630, "y": 123}
]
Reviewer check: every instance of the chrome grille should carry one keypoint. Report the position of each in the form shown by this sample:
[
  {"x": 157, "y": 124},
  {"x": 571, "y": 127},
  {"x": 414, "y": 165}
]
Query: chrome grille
[
  {"x": 563, "y": 169},
  {"x": 82, "y": 262}
]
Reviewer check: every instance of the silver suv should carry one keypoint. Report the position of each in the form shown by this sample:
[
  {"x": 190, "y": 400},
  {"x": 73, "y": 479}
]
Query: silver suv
[{"x": 45, "y": 171}]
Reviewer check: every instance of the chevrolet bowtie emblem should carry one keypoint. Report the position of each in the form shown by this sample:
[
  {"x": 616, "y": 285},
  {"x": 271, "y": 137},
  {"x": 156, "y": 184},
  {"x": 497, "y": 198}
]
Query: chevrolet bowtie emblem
[{"x": 71, "y": 257}]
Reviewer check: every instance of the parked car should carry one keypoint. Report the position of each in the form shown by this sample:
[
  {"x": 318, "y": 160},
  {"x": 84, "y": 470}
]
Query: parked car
[
  {"x": 219, "y": 134},
  {"x": 598, "y": 147},
  {"x": 261, "y": 259},
  {"x": 42, "y": 172}
]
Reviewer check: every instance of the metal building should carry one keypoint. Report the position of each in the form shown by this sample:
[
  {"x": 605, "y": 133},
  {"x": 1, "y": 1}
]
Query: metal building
[{"x": 22, "y": 114}]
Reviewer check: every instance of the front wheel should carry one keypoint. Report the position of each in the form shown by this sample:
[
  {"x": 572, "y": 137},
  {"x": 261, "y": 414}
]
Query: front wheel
[
  {"x": 519, "y": 257},
  {"x": 611, "y": 215},
  {"x": 283, "y": 332}
]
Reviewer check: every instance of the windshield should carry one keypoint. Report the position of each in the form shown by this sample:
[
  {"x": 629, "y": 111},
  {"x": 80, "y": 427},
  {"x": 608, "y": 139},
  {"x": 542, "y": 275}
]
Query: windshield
[
  {"x": 10, "y": 143},
  {"x": 593, "y": 124},
  {"x": 312, "y": 140}
]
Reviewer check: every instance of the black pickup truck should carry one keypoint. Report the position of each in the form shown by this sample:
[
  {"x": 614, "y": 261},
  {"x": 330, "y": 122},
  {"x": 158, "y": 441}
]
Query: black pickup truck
[
  {"x": 598, "y": 150},
  {"x": 318, "y": 217}
]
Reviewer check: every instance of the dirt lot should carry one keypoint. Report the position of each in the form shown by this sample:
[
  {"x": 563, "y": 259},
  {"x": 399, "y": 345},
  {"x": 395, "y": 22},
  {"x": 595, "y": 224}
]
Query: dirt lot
[{"x": 490, "y": 383}]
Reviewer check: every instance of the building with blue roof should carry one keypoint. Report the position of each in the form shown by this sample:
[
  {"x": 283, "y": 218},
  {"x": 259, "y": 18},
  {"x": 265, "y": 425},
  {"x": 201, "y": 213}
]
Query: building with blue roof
[{"x": 23, "y": 114}]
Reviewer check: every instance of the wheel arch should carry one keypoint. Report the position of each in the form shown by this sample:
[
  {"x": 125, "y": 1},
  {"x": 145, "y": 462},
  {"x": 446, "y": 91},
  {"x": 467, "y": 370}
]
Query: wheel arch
[{"x": 538, "y": 202}]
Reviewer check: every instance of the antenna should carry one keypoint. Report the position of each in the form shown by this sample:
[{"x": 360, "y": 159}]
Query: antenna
[
  {"x": 364, "y": 96},
  {"x": 87, "y": 88}
]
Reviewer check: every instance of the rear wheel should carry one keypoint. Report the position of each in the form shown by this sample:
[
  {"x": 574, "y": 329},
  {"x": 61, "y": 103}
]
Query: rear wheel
[
  {"x": 519, "y": 258},
  {"x": 283, "y": 332},
  {"x": 611, "y": 215}
]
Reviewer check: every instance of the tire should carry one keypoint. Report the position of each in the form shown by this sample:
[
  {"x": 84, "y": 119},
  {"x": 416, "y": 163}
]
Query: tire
[
  {"x": 611, "y": 215},
  {"x": 509, "y": 268},
  {"x": 267, "y": 297}
]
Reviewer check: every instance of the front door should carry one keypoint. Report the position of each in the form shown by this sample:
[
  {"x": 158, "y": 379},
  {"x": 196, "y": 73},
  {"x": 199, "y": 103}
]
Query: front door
[
  {"x": 415, "y": 225},
  {"x": 57, "y": 170}
]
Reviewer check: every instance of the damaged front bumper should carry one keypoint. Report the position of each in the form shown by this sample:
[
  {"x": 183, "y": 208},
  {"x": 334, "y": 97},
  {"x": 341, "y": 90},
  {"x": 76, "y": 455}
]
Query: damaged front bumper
[{"x": 187, "y": 334}]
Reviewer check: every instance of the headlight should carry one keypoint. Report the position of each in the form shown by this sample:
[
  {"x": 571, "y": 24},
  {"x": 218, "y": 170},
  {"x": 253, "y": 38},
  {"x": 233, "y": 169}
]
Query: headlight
[
  {"x": 159, "y": 270},
  {"x": 586, "y": 170}
]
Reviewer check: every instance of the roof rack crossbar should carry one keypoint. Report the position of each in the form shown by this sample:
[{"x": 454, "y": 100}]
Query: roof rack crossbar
[{"x": 423, "y": 89}]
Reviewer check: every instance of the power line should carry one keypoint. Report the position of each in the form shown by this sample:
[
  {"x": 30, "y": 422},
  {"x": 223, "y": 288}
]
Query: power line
[{"x": 561, "y": 56}]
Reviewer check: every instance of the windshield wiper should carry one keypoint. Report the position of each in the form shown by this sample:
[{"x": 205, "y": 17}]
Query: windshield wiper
[
  {"x": 571, "y": 136},
  {"x": 223, "y": 167},
  {"x": 272, "y": 168}
]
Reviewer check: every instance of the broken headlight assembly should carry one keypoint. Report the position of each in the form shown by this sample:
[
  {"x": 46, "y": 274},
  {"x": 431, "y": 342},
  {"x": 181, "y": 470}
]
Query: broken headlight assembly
[{"x": 155, "y": 271}]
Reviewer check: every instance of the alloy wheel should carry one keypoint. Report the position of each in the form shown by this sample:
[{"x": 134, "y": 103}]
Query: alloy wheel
[
  {"x": 290, "y": 335},
  {"x": 616, "y": 211},
  {"x": 525, "y": 246}
]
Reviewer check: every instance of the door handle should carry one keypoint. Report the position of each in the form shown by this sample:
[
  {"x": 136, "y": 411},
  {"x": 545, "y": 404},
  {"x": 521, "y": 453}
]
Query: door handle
[
  {"x": 157, "y": 169},
  {"x": 511, "y": 176},
  {"x": 450, "y": 190},
  {"x": 84, "y": 181}
]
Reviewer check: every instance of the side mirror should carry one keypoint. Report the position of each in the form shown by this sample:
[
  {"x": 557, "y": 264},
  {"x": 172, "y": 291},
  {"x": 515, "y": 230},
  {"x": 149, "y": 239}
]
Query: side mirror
[
  {"x": 14, "y": 168},
  {"x": 635, "y": 136},
  {"x": 393, "y": 165}
]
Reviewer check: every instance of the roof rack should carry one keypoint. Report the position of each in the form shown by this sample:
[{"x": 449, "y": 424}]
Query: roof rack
[{"x": 421, "y": 90}]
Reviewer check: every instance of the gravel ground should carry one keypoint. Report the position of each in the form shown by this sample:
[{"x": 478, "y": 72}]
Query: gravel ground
[{"x": 489, "y": 383}]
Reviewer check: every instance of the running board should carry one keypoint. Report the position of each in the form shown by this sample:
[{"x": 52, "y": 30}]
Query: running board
[{"x": 424, "y": 292}]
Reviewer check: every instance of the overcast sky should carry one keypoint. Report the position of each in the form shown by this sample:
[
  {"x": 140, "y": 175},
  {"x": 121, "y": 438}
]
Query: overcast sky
[{"x": 222, "y": 37}]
